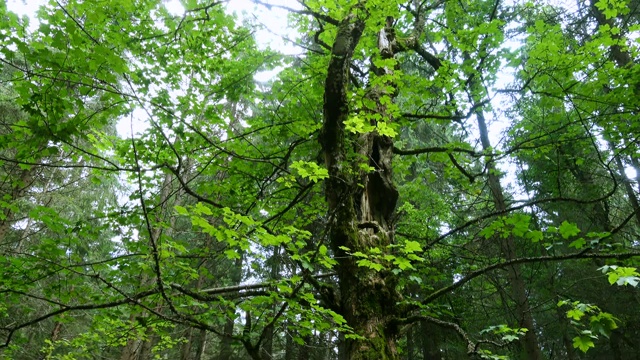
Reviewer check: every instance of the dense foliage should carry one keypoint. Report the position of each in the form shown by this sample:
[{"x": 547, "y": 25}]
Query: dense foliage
[{"x": 424, "y": 179}]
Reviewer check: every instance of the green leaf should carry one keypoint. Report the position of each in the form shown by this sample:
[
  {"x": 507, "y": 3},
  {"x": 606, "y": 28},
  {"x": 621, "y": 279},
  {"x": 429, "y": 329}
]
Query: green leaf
[
  {"x": 622, "y": 276},
  {"x": 375, "y": 251},
  {"x": 357, "y": 125},
  {"x": 202, "y": 209},
  {"x": 403, "y": 263},
  {"x": 535, "y": 236},
  {"x": 568, "y": 230},
  {"x": 310, "y": 170},
  {"x": 181, "y": 210},
  {"x": 385, "y": 129},
  {"x": 575, "y": 314},
  {"x": 411, "y": 247},
  {"x": 583, "y": 342},
  {"x": 578, "y": 244},
  {"x": 370, "y": 264},
  {"x": 603, "y": 323},
  {"x": 232, "y": 254}
]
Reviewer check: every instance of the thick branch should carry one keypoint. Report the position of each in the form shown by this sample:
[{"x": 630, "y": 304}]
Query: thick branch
[
  {"x": 435, "y": 149},
  {"x": 308, "y": 11},
  {"x": 472, "y": 347},
  {"x": 62, "y": 310},
  {"x": 525, "y": 260},
  {"x": 449, "y": 117}
]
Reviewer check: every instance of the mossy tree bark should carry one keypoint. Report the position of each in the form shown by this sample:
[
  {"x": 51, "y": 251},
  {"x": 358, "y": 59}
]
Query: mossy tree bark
[{"x": 360, "y": 206}]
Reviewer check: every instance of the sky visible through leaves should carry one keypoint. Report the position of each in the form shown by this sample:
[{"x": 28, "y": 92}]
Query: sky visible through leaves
[
  {"x": 271, "y": 34},
  {"x": 274, "y": 32}
]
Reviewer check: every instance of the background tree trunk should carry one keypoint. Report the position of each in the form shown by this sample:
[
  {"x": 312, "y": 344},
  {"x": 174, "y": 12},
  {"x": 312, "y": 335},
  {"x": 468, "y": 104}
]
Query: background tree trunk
[{"x": 508, "y": 247}]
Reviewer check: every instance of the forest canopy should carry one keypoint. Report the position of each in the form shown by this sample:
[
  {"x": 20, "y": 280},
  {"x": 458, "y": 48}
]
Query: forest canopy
[{"x": 419, "y": 180}]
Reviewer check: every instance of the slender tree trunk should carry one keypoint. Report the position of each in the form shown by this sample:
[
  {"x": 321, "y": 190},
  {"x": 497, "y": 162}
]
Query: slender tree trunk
[
  {"x": 225, "y": 346},
  {"x": 21, "y": 185},
  {"x": 428, "y": 343},
  {"x": 201, "y": 344},
  {"x": 266, "y": 347},
  {"x": 410, "y": 344},
  {"x": 321, "y": 351},
  {"x": 303, "y": 350},
  {"x": 57, "y": 330},
  {"x": 130, "y": 351},
  {"x": 151, "y": 339},
  {"x": 566, "y": 340},
  {"x": 636, "y": 167},
  {"x": 137, "y": 349},
  {"x": 508, "y": 247},
  {"x": 57, "y": 326},
  {"x": 146, "y": 348},
  {"x": 185, "y": 349},
  {"x": 342, "y": 350},
  {"x": 289, "y": 346},
  {"x": 192, "y": 340},
  {"x": 633, "y": 199}
]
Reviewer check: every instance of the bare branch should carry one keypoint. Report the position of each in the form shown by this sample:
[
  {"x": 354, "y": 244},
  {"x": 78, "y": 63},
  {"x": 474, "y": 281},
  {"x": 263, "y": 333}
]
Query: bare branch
[
  {"x": 525, "y": 260},
  {"x": 449, "y": 117},
  {"x": 436, "y": 149},
  {"x": 308, "y": 11}
]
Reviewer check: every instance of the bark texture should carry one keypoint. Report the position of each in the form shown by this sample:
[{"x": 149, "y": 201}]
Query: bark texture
[{"x": 360, "y": 206}]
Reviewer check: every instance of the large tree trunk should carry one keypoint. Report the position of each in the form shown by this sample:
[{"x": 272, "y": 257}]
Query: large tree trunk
[
  {"x": 360, "y": 205},
  {"x": 623, "y": 59}
]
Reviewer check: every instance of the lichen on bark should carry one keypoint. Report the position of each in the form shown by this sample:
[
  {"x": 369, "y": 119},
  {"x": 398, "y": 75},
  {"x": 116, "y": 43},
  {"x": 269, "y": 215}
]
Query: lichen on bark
[{"x": 361, "y": 203}]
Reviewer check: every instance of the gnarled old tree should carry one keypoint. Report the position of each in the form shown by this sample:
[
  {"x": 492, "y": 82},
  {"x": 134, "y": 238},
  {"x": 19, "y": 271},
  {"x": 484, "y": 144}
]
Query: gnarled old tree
[{"x": 361, "y": 199}]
